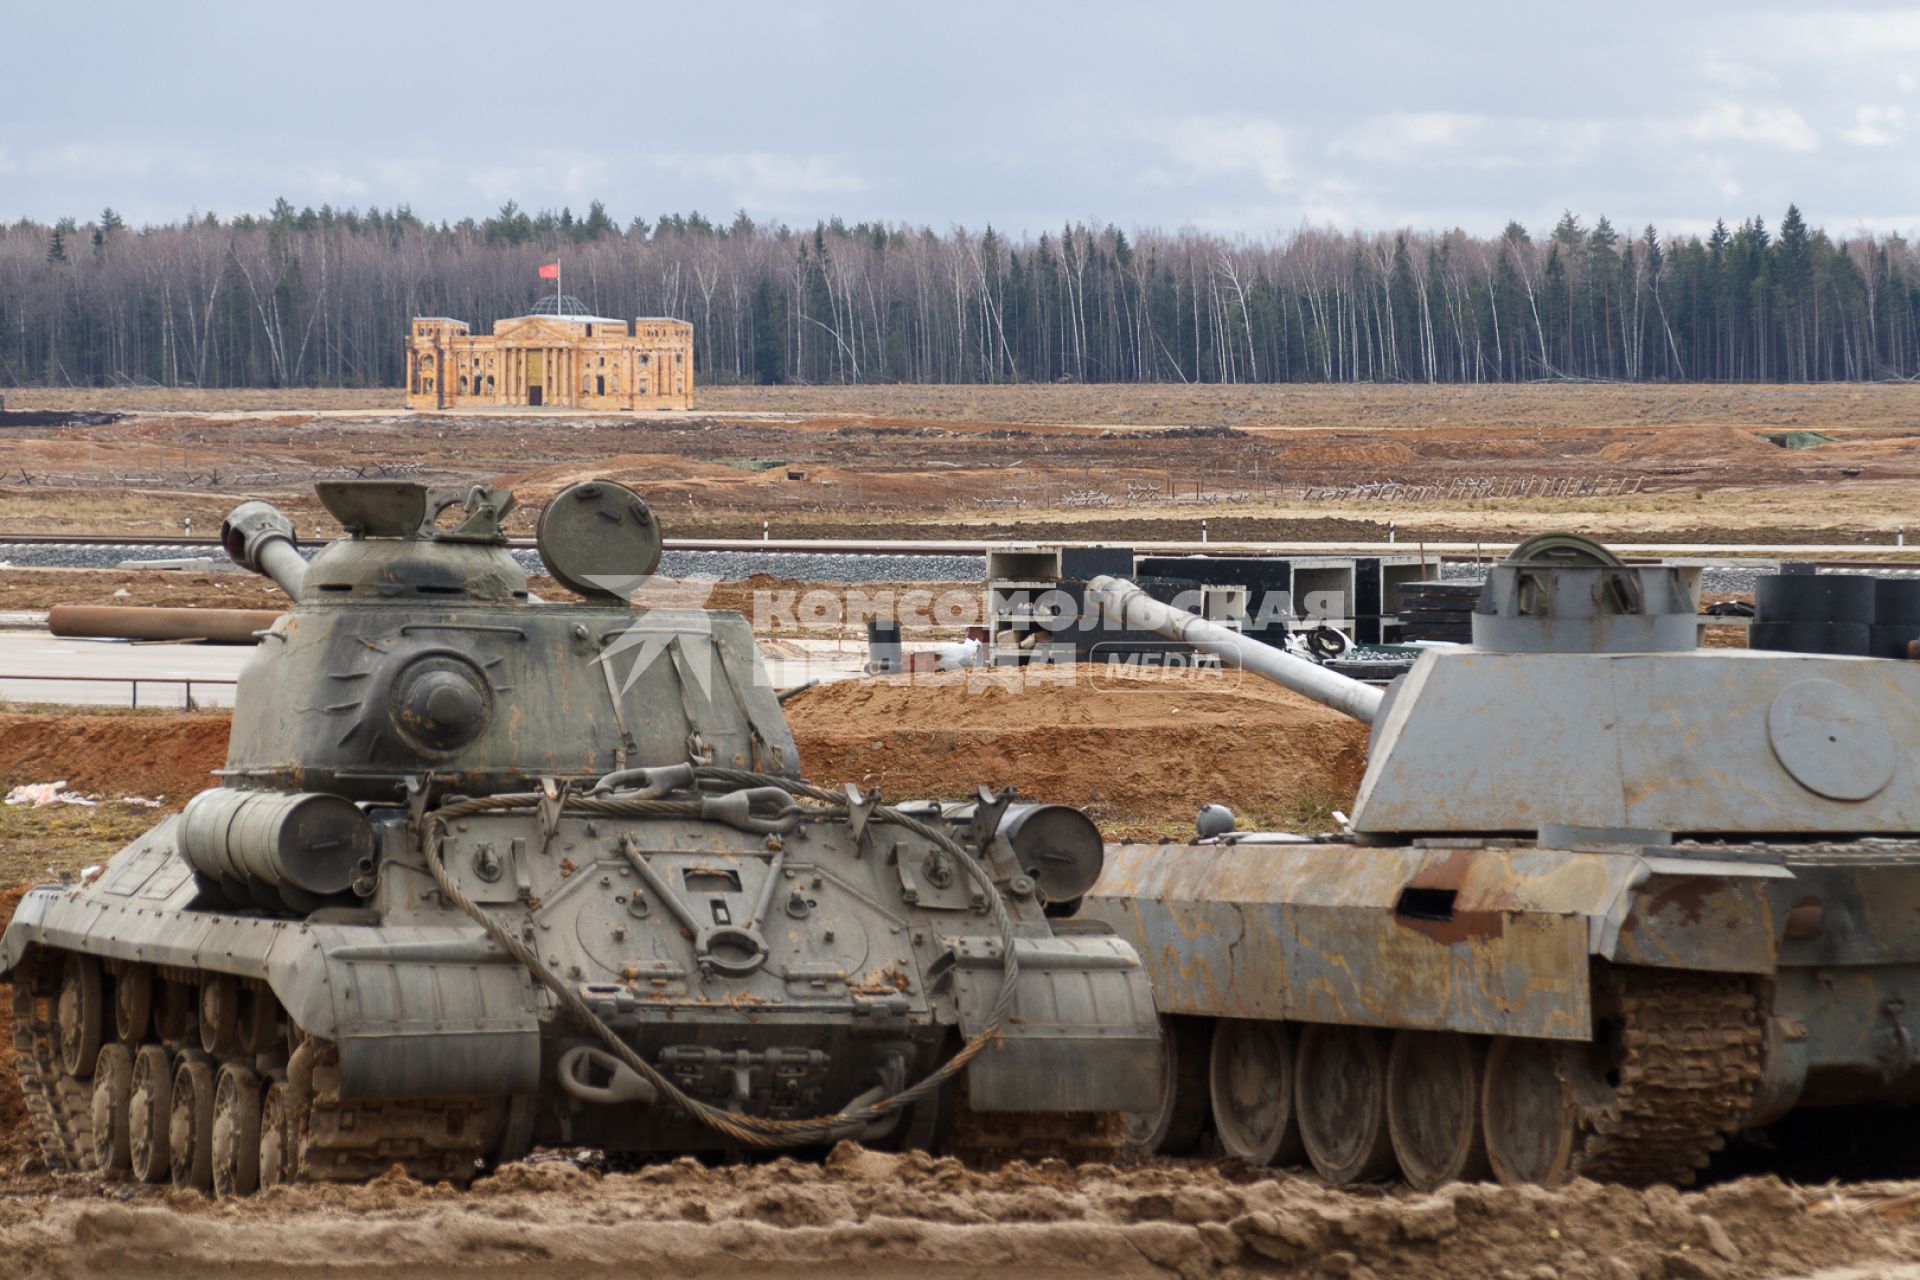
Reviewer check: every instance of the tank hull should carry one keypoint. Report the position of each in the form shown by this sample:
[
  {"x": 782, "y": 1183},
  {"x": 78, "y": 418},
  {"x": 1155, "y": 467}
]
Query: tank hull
[
  {"x": 1803, "y": 959},
  {"x": 433, "y": 1047}
]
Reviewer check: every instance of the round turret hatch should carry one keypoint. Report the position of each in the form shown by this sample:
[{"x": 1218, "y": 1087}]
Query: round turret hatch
[
  {"x": 1831, "y": 740},
  {"x": 599, "y": 538}
]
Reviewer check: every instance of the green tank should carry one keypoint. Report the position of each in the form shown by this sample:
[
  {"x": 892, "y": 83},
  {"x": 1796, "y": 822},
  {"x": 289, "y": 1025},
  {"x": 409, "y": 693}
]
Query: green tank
[{"x": 484, "y": 872}]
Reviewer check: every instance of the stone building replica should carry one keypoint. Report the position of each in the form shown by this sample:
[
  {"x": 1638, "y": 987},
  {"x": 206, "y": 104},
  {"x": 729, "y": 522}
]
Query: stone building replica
[{"x": 558, "y": 354}]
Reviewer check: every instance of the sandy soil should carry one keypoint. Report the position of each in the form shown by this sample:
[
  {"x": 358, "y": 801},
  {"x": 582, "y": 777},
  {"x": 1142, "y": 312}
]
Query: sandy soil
[
  {"x": 865, "y": 1214},
  {"x": 1686, "y": 463},
  {"x": 1142, "y": 752},
  {"x": 1523, "y": 405}
]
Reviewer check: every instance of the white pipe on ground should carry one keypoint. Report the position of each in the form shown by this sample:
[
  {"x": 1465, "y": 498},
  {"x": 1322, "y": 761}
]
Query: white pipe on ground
[{"x": 1130, "y": 605}]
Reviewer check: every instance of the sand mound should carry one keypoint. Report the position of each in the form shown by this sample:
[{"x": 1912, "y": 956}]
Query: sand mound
[
  {"x": 865, "y": 1214},
  {"x": 1695, "y": 445},
  {"x": 1140, "y": 749},
  {"x": 1347, "y": 451},
  {"x": 171, "y": 756}
]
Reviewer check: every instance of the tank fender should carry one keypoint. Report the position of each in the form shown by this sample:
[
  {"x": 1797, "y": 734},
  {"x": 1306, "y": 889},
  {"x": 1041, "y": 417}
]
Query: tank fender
[
  {"x": 22, "y": 932},
  {"x": 1083, "y": 1035},
  {"x": 415, "y": 1011},
  {"x": 1690, "y": 911}
]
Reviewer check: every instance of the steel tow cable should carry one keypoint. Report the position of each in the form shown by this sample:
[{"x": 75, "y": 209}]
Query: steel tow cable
[{"x": 757, "y": 1131}]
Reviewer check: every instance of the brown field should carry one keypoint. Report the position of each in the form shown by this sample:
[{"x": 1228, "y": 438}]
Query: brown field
[{"x": 1679, "y": 464}]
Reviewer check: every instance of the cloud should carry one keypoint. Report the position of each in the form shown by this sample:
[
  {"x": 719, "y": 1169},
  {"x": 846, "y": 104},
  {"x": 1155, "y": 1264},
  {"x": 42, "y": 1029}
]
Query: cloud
[
  {"x": 1728, "y": 121},
  {"x": 1460, "y": 140},
  {"x": 1738, "y": 75},
  {"x": 1840, "y": 35},
  {"x": 329, "y": 185},
  {"x": 1213, "y": 146},
  {"x": 765, "y": 179},
  {"x": 571, "y": 174},
  {"x": 1876, "y": 126}
]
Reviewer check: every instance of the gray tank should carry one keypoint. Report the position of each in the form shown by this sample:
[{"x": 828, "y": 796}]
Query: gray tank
[
  {"x": 1605, "y": 899},
  {"x": 483, "y": 872}
]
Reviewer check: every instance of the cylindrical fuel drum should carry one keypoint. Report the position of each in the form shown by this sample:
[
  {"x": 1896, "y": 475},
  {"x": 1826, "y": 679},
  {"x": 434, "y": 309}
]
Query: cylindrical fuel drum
[{"x": 303, "y": 846}]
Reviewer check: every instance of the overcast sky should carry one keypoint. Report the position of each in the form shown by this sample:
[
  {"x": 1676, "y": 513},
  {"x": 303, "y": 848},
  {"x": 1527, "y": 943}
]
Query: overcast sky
[{"x": 1251, "y": 118}]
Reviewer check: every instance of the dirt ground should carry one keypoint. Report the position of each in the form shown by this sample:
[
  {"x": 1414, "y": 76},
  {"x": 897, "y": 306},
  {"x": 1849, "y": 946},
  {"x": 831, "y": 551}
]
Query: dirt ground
[
  {"x": 861, "y": 1215},
  {"x": 1684, "y": 463}
]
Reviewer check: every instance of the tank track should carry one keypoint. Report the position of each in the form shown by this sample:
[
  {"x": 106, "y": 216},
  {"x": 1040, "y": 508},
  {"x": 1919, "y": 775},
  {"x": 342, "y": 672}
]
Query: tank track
[
  {"x": 59, "y": 1109},
  {"x": 990, "y": 1138},
  {"x": 432, "y": 1139},
  {"x": 1685, "y": 1067}
]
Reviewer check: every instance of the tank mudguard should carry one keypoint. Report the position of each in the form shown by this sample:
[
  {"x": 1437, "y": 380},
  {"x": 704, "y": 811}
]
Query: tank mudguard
[
  {"x": 1490, "y": 940},
  {"x": 1082, "y": 1035},
  {"x": 413, "y": 1011}
]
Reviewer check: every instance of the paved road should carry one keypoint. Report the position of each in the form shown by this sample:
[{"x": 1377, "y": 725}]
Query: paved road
[{"x": 162, "y": 670}]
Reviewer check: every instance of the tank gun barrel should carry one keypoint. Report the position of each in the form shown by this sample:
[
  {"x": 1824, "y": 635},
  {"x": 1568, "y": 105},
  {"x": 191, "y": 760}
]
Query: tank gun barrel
[
  {"x": 258, "y": 537},
  {"x": 1135, "y": 608}
]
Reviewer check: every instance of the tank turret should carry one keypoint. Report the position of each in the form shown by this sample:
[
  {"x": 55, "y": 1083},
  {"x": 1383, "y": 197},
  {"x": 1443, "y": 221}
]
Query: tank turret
[
  {"x": 483, "y": 871},
  {"x": 1584, "y": 711},
  {"x": 414, "y": 652}
]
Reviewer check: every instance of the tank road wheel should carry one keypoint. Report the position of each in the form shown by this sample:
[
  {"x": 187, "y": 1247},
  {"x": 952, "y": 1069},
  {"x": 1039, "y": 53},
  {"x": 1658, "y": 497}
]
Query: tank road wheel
[
  {"x": 278, "y": 1141},
  {"x": 220, "y": 1014},
  {"x": 259, "y": 1024},
  {"x": 1433, "y": 1107},
  {"x": 173, "y": 1010},
  {"x": 149, "y": 1113},
  {"x": 112, "y": 1094},
  {"x": 1529, "y": 1118},
  {"x": 1340, "y": 1091},
  {"x": 132, "y": 1004},
  {"x": 1173, "y": 1128},
  {"x": 1250, "y": 1087},
  {"x": 236, "y": 1132},
  {"x": 190, "y": 1125},
  {"x": 80, "y": 1015}
]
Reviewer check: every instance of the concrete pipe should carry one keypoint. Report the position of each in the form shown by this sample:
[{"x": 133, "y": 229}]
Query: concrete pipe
[{"x": 122, "y": 622}]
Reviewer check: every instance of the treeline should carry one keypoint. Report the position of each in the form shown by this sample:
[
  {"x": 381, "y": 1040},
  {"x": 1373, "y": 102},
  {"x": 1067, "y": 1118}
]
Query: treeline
[{"x": 322, "y": 298}]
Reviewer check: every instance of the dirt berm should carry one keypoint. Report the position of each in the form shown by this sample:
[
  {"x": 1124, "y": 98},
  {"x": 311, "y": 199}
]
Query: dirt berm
[
  {"x": 1140, "y": 750},
  {"x": 863, "y": 1214}
]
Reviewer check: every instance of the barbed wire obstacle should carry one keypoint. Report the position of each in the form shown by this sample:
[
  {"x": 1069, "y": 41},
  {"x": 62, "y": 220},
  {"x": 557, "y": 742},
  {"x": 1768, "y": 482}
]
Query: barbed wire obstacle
[{"x": 1465, "y": 489}]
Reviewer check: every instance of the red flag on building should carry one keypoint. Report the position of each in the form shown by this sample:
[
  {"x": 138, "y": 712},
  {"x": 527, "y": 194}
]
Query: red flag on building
[{"x": 551, "y": 271}]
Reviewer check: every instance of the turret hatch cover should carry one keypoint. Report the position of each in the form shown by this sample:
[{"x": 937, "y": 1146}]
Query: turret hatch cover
[
  {"x": 1831, "y": 740},
  {"x": 597, "y": 535}
]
